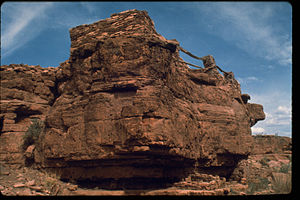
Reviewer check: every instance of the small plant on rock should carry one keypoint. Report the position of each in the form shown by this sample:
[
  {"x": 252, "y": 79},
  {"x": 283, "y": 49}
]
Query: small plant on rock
[{"x": 32, "y": 134}]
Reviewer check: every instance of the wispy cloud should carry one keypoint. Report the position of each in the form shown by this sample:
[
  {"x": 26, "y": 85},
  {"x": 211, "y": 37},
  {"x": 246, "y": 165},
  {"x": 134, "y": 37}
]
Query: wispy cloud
[
  {"x": 278, "y": 113},
  {"x": 70, "y": 14},
  {"x": 247, "y": 80},
  {"x": 17, "y": 26},
  {"x": 91, "y": 7},
  {"x": 249, "y": 26},
  {"x": 284, "y": 110}
]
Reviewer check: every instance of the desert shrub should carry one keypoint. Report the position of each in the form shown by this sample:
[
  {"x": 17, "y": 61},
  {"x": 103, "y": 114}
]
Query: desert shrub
[
  {"x": 258, "y": 185},
  {"x": 281, "y": 183},
  {"x": 32, "y": 134},
  {"x": 264, "y": 161},
  {"x": 285, "y": 168}
]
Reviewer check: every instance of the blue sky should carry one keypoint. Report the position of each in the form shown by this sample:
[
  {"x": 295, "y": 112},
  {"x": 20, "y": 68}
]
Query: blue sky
[{"x": 252, "y": 39}]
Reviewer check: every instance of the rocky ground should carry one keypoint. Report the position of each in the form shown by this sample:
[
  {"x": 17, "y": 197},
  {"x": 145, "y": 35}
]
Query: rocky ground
[
  {"x": 266, "y": 174},
  {"x": 27, "y": 181},
  {"x": 257, "y": 175}
]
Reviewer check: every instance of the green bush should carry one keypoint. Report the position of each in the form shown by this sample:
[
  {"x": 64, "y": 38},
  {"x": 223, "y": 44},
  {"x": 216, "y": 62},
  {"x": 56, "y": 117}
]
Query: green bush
[
  {"x": 32, "y": 134},
  {"x": 285, "y": 168},
  {"x": 264, "y": 161}
]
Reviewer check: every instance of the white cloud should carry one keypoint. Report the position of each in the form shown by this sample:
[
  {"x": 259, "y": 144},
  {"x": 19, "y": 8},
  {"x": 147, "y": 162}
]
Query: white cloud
[
  {"x": 247, "y": 80},
  {"x": 283, "y": 109},
  {"x": 278, "y": 112},
  {"x": 252, "y": 78},
  {"x": 18, "y": 28},
  {"x": 257, "y": 130},
  {"x": 250, "y": 26},
  {"x": 277, "y": 119}
]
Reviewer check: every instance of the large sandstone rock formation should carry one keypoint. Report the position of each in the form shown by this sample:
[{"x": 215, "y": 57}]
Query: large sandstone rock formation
[{"x": 125, "y": 106}]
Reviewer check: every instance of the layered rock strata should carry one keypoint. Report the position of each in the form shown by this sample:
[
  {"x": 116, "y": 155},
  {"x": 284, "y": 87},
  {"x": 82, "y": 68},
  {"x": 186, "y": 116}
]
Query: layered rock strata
[
  {"x": 125, "y": 106},
  {"x": 270, "y": 144},
  {"x": 27, "y": 92}
]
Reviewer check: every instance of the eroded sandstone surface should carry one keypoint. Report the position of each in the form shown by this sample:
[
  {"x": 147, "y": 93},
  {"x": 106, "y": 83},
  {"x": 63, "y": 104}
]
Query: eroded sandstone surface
[
  {"x": 125, "y": 107},
  {"x": 27, "y": 92}
]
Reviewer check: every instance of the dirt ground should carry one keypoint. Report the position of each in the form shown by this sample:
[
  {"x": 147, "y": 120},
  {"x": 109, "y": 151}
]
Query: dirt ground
[{"x": 26, "y": 181}]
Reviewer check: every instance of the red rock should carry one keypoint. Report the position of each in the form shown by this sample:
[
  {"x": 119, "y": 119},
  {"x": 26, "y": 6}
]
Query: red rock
[
  {"x": 72, "y": 187},
  {"x": 270, "y": 144},
  {"x": 10, "y": 147},
  {"x": 29, "y": 153},
  {"x": 17, "y": 185},
  {"x": 256, "y": 112},
  {"x": 37, "y": 188},
  {"x": 30, "y": 183},
  {"x": 124, "y": 107},
  {"x": 26, "y": 92},
  {"x": 130, "y": 91}
]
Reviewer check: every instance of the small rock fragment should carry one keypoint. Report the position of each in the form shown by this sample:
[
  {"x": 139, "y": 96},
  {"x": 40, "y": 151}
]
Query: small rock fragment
[
  {"x": 5, "y": 173},
  {"x": 72, "y": 187},
  {"x": 29, "y": 151},
  {"x": 37, "y": 188},
  {"x": 19, "y": 175},
  {"x": 18, "y": 185},
  {"x": 244, "y": 181}
]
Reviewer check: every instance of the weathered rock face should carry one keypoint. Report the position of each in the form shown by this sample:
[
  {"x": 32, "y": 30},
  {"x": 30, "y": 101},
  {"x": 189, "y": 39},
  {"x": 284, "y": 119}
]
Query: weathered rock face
[
  {"x": 270, "y": 144},
  {"x": 127, "y": 102},
  {"x": 26, "y": 92},
  {"x": 124, "y": 107}
]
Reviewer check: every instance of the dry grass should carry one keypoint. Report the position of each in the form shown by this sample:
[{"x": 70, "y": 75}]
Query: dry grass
[{"x": 281, "y": 182}]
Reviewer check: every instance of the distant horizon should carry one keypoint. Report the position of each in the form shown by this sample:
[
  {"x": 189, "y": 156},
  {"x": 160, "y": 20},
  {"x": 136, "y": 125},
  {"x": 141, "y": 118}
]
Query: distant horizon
[{"x": 251, "y": 39}]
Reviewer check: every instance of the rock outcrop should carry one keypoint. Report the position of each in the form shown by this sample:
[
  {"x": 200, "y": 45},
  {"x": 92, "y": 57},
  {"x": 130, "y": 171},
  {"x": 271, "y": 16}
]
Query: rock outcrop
[
  {"x": 270, "y": 144},
  {"x": 125, "y": 106},
  {"x": 27, "y": 92}
]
